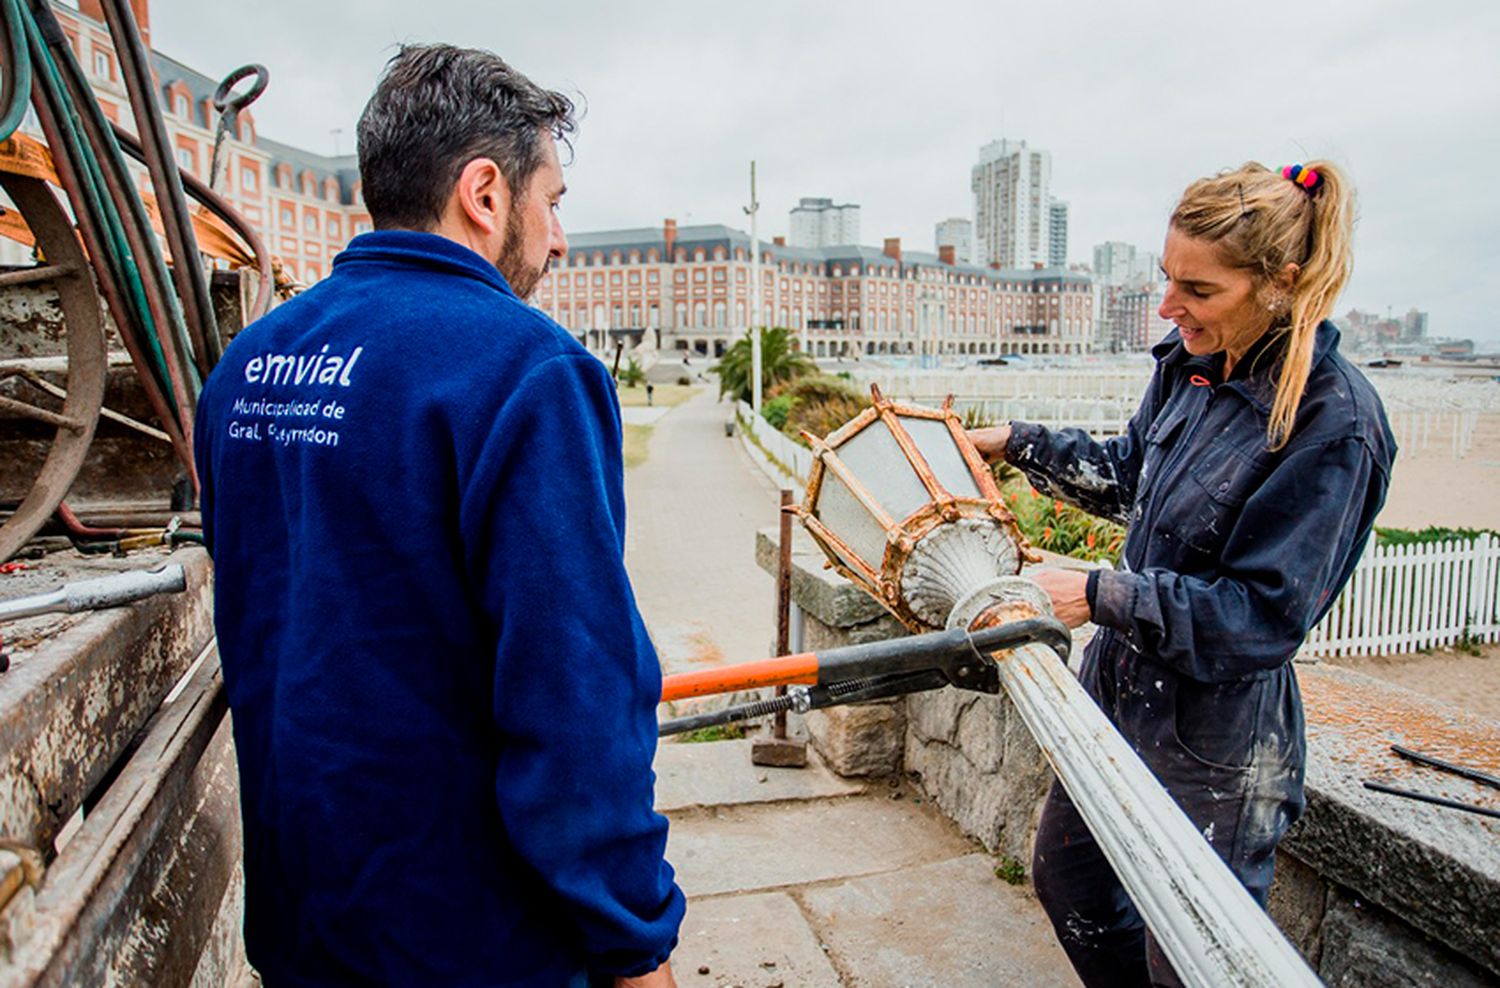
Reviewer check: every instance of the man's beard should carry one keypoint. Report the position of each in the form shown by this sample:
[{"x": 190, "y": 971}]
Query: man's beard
[{"x": 522, "y": 277}]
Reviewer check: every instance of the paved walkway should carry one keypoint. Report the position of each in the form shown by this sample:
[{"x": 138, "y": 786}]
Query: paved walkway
[
  {"x": 692, "y": 510},
  {"x": 795, "y": 878}
]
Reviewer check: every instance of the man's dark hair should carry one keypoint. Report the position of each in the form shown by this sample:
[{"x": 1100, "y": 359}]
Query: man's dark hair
[{"x": 439, "y": 107}]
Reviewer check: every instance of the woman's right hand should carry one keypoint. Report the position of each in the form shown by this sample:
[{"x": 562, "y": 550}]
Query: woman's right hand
[
  {"x": 991, "y": 441},
  {"x": 659, "y": 978}
]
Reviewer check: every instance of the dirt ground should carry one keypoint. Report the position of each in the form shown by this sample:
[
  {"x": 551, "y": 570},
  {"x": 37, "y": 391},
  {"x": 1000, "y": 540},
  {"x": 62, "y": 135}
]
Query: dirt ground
[
  {"x": 1464, "y": 680},
  {"x": 662, "y": 395}
]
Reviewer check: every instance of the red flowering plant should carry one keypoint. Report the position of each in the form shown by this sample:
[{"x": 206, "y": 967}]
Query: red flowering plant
[
  {"x": 1055, "y": 525},
  {"x": 1049, "y": 523}
]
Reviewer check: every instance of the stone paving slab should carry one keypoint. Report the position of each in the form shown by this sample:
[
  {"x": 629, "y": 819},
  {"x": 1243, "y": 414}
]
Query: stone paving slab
[
  {"x": 751, "y": 941},
  {"x": 719, "y": 773},
  {"x": 951, "y": 924},
  {"x": 648, "y": 415},
  {"x": 693, "y": 508},
  {"x": 755, "y": 848}
]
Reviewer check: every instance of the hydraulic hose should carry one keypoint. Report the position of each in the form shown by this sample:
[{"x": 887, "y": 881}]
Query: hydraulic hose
[
  {"x": 66, "y": 140},
  {"x": 17, "y": 68},
  {"x": 187, "y": 271},
  {"x": 143, "y": 252},
  {"x": 172, "y": 335},
  {"x": 88, "y": 227},
  {"x": 103, "y": 223},
  {"x": 217, "y": 205}
]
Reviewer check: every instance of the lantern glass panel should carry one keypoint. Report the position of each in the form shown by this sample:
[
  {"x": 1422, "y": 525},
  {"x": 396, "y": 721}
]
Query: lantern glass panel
[
  {"x": 874, "y": 457},
  {"x": 941, "y": 453},
  {"x": 841, "y": 511}
]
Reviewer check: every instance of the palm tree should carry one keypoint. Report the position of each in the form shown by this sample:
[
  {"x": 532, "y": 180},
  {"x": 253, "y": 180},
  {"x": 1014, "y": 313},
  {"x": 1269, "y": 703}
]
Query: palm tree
[{"x": 780, "y": 361}]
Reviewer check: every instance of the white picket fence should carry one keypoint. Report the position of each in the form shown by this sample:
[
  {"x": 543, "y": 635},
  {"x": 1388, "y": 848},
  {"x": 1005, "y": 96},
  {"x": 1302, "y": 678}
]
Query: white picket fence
[
  {"x": 788, "y": 458},
  {"x": 1403, "y": 598},
  {"x": 1423, "y": 429}
]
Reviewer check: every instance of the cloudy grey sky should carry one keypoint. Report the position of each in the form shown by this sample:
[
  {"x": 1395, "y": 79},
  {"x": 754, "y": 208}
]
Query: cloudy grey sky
[{"x": 886, "y": 104}]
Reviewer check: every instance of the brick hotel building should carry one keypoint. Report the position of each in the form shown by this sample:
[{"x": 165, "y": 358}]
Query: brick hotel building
[
  {"x": 689, "y": 286},
  {"x": 305, "y": 206}
]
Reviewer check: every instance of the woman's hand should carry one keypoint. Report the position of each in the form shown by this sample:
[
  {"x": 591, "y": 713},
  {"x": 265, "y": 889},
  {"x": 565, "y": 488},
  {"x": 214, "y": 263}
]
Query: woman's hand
[
  {"x": 660, "y": 978},
  {"x": 1068, "y": 589},
  {"x": 991, "y": 441}
]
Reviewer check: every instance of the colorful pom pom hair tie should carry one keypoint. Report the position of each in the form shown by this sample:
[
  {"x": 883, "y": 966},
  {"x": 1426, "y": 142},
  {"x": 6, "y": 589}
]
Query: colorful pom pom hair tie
[{"x": 1305, "y": 177}]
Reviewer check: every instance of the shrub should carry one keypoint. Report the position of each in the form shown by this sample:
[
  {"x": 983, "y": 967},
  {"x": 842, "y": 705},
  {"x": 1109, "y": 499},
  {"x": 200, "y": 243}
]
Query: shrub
[
  {"x": 1056, "y": 525},
  {"x": 776, "y": 411},
  {"x": 631, "y": 374},
  {"x": 1433, "y": 533},
  {"x": 684, "y": 381},
  {"x": 820, "y": 404},
  {"x": 781, "y": 361},
  {"x": 716, "y": 732},
  {"x": 1009, "y": 870}
]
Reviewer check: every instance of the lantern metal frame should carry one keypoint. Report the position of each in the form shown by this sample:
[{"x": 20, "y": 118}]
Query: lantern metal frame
[{"x": 882, "y": 578}]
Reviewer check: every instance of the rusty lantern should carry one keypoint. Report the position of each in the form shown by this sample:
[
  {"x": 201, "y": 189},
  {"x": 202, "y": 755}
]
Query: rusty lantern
[{"x": 902, "y": 504}]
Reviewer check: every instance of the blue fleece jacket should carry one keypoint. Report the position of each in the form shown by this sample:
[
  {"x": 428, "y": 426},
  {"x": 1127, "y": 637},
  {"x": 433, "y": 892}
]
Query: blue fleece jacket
[{"x": 443, "y": 694}]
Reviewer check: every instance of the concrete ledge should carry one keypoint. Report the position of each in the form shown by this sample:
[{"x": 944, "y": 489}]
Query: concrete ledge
[
  {"x": 1433, "y": 867},
  {"x": 818, "y": 590}
]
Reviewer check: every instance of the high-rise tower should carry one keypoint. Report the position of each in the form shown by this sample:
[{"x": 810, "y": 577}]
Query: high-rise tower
[{"x": 1012, "y": 218}]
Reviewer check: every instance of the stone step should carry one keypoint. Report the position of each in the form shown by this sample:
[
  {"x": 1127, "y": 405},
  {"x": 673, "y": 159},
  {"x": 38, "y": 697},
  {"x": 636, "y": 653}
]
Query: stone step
[
  {"x": 951, "y": 924},
  {"x": 719, "y": 773},
  {"x": 864, "y": 890},
  {"x": 750, "y": 941},
  {"x": 754, "y": 848}
]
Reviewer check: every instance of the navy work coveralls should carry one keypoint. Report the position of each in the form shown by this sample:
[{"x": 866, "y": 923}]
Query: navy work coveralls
[{"x": 1234, "y": 552}]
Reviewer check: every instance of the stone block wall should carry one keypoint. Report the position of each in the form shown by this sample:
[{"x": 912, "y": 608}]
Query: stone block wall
[{"x": 975, "y": 758}]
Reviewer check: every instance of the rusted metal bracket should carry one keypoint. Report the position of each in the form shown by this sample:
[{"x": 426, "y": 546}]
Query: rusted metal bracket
[{"x": 24, "y": 871}]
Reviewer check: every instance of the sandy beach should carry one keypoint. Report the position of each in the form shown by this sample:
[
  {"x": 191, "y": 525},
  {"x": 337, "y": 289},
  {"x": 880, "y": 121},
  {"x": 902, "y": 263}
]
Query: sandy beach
[{"x": 1430, "y": 487}]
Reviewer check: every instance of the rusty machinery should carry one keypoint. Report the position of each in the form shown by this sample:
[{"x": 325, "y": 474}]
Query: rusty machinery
[{"x": 108, "y": 251}]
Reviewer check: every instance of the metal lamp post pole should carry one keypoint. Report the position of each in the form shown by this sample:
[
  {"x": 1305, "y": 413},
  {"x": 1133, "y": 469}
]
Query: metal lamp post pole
[{"x": 755, "y": 359}]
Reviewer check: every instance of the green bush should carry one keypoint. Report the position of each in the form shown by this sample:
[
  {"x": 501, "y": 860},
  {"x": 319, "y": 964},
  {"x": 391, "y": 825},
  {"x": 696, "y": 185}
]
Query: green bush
[
  {"x": 780, "y": 361},
  {"x": 820, "y": 404},
  {"x": 631, "y": 374},
  {"x": 716, "y": 732},
  {"x": 1009, "y": 870},
  {"x": 1432, "y": 533},
  {"x": 776, "y": 410}
]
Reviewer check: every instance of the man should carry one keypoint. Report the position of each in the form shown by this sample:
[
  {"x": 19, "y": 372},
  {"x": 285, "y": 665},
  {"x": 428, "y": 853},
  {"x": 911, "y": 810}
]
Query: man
[{"x": 443, "y": 694}]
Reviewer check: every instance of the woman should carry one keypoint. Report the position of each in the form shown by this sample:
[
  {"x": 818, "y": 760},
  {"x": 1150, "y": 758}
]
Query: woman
[{"x": 1249, "y": 478}]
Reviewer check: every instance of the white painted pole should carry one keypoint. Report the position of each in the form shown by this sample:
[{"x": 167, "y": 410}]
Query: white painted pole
[
  {"x": 1213, "y": 932},
  {"x": 754, "y": 321}
]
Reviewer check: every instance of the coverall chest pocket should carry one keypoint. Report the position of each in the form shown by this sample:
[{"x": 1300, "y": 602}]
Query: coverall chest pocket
[
  {"x": 1160, "y": 438},
  {"x": 1203, "y": 509}
]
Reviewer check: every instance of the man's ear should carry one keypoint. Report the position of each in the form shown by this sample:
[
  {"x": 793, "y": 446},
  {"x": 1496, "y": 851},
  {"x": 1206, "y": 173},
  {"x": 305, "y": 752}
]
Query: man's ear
[{"x": 483, "y": 195}]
